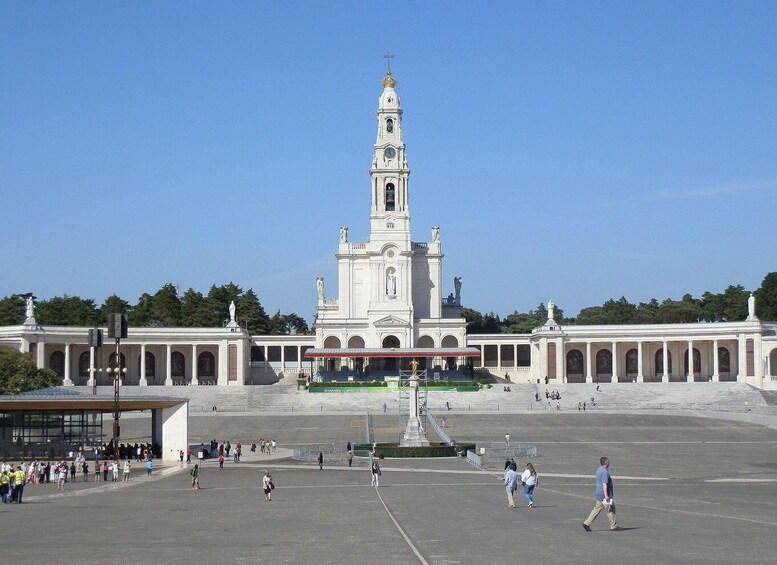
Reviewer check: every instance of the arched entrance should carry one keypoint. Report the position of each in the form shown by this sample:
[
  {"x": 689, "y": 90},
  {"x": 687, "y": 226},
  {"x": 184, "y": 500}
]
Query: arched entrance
[
  {"x": 206, "y": 368},
  {"x": 575, "y": 366},
  {"x": 331, "y": 342},
  {"x": 450, "y": 341},
  {"x": 390, "y": 342},
  {"x": 603, "y": 366},
  {"x": 425, "y": 342},
  {"x": 357, "y": 342}
]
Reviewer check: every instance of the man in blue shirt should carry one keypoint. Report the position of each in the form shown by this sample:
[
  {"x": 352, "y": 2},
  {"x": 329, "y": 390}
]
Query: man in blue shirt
[
  {"x": 511, "y": 483},
  {"x": 604, "y": 494}
]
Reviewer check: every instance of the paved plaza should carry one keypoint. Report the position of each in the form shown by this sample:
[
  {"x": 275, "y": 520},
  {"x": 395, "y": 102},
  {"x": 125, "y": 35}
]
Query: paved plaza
[{"x": 688, "y": 490}]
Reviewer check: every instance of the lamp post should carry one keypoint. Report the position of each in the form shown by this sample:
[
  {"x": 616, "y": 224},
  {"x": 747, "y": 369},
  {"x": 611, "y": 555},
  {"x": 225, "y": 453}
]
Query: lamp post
[{"x": 117, "y": 329}]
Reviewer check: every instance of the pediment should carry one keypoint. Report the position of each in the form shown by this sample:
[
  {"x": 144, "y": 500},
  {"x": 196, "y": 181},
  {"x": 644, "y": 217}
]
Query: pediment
[{"x": 391, "y": 321}]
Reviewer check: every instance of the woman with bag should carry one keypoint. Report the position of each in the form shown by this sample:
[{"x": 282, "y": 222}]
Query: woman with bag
[
  {"x": 267, "y": 485},
  {"x": 529, "y": 480}
]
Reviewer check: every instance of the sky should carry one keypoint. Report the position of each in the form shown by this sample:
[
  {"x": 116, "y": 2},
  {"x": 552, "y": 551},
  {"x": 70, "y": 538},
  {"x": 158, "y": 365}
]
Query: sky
[{"x": 573, "y": 151}]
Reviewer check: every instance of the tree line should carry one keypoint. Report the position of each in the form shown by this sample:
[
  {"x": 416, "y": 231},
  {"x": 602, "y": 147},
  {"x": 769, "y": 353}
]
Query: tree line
[
  {"x": 165, "y": 308},
  {"x": 729, "y": 305}
]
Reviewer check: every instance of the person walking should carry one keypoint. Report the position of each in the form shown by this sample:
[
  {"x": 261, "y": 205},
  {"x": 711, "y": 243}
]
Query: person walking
[
  {"x": 267, "y": 485},
  {"x": 149, "y": 467},
  {"x": 349, "y": 456},
  {"x": 221, "y": 462},
  {"x": 195, "y": 473},
  {"x": 61, "y": 478},
  {"x": 507, "y": 440},
  {"x": 321, "y": 460},
  {"x": 85, "y": 470},
  {"x": 105, "y": 471},
  {"x": 529, "y": 480},
  {"x": 115, "y": 471},
  {"x": 126, "y": 473},
  {"x": 604, "y": 497},
  {"x": 511, "y": 483},
  {"x": 375, "y": 470},
  {"x": 19, "y": 484}
]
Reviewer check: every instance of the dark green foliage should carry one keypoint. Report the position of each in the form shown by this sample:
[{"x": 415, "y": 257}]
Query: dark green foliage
[
  {"x": 766, "y": 298},
  {"x": 18, "y": 373},
  {"x": 67, "y": 311},
  {"x": 12, "y": 310}
]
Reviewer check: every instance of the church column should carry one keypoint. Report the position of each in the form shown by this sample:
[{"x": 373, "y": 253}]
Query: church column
[
  {"x": 168, "y": 365},
  {"x": 143, "y": 380},
  {"x": 223, "y": 364},
  {"x": 589, "y": 377},
  {"x": 67, "y": 381},
  {"x": 90, "y": 382},
  {"x": 690, "y": 362},
  {"x": 715, "y": 362},
  {"x": 614, "y": 362},
  {"x": 544, "y": 357},
  {"x": 195, "y": 367},
  {"x": 640, "y": 374},
  {"x": 759, "y": 364},
  {"x": 665, "y": 375}
]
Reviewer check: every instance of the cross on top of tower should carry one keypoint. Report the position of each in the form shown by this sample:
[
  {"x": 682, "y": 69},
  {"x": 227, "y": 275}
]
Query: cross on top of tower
[{"x": 388, "y": 56}]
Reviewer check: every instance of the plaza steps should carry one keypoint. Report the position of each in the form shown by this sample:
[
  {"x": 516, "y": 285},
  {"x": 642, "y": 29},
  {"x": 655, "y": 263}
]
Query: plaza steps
[{"x": 281, "y": 399}]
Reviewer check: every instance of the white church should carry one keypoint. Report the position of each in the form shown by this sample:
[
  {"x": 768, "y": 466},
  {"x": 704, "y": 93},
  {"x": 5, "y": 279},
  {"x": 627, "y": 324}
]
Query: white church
[{"x": 388, "y": 306}]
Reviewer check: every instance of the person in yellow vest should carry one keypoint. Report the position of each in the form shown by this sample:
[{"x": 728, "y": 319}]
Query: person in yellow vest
[
  {"x": 18, "y": 485},
  {"x": 5, "y": 486}
]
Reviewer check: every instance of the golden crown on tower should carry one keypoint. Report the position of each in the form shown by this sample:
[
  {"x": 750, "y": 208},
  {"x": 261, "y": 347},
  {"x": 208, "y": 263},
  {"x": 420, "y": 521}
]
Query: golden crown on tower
[{"x": 389, "y": 81}]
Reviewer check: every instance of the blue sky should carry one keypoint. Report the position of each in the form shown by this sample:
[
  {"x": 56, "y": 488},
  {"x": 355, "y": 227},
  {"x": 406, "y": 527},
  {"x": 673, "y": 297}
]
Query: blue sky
[{"x": 577, "y": 151}]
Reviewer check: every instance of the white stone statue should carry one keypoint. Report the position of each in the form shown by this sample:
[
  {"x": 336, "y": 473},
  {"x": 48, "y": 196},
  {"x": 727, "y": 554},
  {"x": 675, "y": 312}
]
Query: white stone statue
[
  {"x": 436, "y": 233},
  {"x": 751, "y": 307},
  {"x": 343, "y": 235},
  {"x": 551, "y": 309},
  {"x": 391, "y": 284},
  {"x": 457, "y": 289},
  {"x": 31, "y": 307},
  {"x": 232, "y": 312},
  {"x": 320, "y": 287}
]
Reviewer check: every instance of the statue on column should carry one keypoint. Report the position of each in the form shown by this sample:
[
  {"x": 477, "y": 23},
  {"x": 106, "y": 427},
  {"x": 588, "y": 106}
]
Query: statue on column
[
  {"x": 320, "y": 287},
  {"x": 413, "y": 368},
  {"x": 30, "y": 313},
  {"x": 232, "y": 319},
  {"x": 343, "y": 235},
  {"x": 457, "y": 289},
  {"x": 551, "y": 310}
]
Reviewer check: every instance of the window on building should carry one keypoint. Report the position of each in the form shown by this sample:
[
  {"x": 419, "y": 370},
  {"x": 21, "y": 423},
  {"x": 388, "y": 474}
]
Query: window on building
[{"x": 524, "y": 355}]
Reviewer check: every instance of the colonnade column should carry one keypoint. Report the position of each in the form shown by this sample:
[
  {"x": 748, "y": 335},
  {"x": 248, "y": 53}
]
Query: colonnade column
[
  {"x": 41, "y": 354},
  {"x": 561, "y": 366},
  {"x": 715, "y": 362},
  {"x": 195, "y": 367},
  {"x": 640, "y": 374},
  {"x": 614, "y": 362},
  {"x": 544, "y": 357},
  {"x": 759, "y": 364},
  {"x": 665, "y": 375},
  {"x": 90, "y": 382},
  {"x": 690, "y": 361},
  {"x": 67, "y": 381},
  {"x": 589, "y": 377},
  {"x": 143, "y": 380},
  {"x": 741, "y": 358},
  {"x": 168, "y": 365}
]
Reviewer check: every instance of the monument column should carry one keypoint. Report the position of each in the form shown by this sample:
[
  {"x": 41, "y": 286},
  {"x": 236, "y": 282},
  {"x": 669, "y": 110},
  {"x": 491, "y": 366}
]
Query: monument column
[
  {"x": 665, "y": 376},
  {"x": 640, "y": 373},
  {"x": 67, "y": 381},
  {"x": 589, "y": 377}
]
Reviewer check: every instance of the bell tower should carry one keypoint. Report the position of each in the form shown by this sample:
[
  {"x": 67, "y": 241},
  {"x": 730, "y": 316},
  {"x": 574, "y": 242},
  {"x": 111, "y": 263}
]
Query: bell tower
[{"x": 390, "y": 211}]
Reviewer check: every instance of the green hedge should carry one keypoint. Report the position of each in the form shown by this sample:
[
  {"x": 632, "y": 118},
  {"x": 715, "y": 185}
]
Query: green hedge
[
  {"x": 433, "y": 450},
  {"x": 350, "y": 384}
]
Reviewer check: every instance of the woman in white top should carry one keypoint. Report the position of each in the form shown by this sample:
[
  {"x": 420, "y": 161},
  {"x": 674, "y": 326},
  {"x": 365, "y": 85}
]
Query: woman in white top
[
  {"x": 529, "y": 480},
  {"x": 267, "y": 485}
]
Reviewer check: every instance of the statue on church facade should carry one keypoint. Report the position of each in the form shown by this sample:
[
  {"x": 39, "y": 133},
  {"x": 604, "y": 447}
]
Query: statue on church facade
[
  {"x": 551, "y": 309},
  {"x": 391, "y": 284},
  {"x": 457, "y": 289},
  {"x": 320, "y": 287},
  {"x": 232, "y": 312},
  {"x": 343, "y": 235},
  {"x": 30, "y": 312},
  {"x": 436, "y": 233}
]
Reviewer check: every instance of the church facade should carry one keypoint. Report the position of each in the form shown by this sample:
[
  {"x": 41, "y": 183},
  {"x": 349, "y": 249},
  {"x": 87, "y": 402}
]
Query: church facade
[{"x": 389, "y": 294}]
